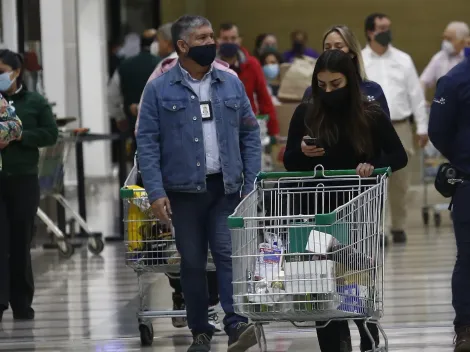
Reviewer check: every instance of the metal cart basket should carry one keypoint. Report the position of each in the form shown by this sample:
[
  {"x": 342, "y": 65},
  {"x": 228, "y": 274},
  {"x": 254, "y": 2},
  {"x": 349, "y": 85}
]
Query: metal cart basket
[
  {"x": 431, "y": 160},
  {"x": 306, "y": 247},
  {"x": 52, "y": 160},
  {"x": 150, "y": 248}
]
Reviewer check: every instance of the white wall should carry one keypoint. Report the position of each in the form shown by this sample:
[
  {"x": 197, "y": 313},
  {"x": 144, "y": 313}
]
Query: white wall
[
  {"x": 53, "y": 53},
  {"x": 73, "y": 39},
  {"x": 91, "y": 17},
  {"x": 10, "y": 25}
]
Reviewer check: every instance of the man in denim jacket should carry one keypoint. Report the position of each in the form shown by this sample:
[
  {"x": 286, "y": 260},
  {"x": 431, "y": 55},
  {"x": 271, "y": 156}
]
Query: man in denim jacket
[{"x": 199, "y": 151}]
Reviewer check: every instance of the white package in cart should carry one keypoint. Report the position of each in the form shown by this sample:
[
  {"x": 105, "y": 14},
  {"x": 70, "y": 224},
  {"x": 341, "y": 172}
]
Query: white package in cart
[
  {"x": 320, "y": 242},
  {"x": 316, "y": 276}
]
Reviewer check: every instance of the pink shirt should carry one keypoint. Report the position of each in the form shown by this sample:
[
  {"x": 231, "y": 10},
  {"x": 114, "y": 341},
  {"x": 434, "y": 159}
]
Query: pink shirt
[{"x": 439, "y": 66}]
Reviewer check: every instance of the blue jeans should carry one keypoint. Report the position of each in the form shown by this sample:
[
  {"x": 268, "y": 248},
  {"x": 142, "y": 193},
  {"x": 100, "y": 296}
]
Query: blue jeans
[
  {"x": 461, "y": 276},
  {"x": 201, "y": 219}
]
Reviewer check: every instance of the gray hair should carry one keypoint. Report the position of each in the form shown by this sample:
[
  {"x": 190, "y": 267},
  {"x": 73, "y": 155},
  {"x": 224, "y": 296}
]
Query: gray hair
[
  {"x": 165, "y": 32},
  {"x": 185, "y": 25},
  {"x": 460, "y": 28}
]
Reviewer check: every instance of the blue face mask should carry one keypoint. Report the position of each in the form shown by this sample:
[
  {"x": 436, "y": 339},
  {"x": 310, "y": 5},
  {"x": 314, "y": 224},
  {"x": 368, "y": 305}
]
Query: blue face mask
[
  {"x": 271, "y": 71},
  {"x": 467, "y": 51},
  {"x": 6, "y": 81}
]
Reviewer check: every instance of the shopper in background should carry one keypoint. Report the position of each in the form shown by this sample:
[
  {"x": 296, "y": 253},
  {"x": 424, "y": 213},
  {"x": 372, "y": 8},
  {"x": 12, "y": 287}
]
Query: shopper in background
[
  {"x": 250, "y": 73},
  {"x": 128, "y": 83},
  {"x": 10, "y": 130},
  {"x": 342, "y": 38},
  {"x": 271, "y": 62},
  {"x": 199, "y": 151},
  {"x": 265, "y": 42},
  {"x": 449, "y": 130},
  {"x": 166, "y": 49},
  {"x": 19, "y": 189},
  {"x": 354, "y": 134},
  {"x": 466, "y": 50},
  {"x": 451, "y": 54},
  {"x": 114, "y": 60},
  {"x": 394, "y": 70},
  {"x": 299, "y": 47}
]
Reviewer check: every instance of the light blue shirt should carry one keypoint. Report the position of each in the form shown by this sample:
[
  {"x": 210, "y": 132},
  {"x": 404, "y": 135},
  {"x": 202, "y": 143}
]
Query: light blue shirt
[{"x": 202, "y": 88}]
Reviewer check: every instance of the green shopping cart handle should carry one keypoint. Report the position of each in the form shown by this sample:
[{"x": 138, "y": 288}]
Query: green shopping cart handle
[{"x": 319, "y": 173}]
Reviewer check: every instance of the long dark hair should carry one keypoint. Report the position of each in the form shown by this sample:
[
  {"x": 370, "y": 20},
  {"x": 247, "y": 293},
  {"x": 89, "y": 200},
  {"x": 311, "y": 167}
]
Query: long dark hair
[
  {"x": 15, "y": 61},
  {"x": 355, "y": 118}
]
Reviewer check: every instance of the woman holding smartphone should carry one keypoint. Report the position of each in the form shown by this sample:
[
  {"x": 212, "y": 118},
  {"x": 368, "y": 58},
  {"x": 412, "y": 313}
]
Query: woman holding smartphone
[
  {"x": 340, "y": 37},
  {"x": 349, "y": 132}
]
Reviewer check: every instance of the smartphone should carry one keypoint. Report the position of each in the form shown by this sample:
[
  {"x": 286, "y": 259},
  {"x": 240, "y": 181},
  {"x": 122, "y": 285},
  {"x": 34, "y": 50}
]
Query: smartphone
[{"x": 311, "y": 141}]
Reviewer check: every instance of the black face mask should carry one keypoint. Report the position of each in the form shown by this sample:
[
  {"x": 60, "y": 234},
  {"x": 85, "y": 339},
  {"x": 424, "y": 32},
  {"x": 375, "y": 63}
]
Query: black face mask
[
  {"x": 228, "y": 50},
  {"x": 336, "y": 100},
  {"x": 298, "y": 47},
  {"x": 384, "y": 38},
  {"x": 203, "y": 55}
]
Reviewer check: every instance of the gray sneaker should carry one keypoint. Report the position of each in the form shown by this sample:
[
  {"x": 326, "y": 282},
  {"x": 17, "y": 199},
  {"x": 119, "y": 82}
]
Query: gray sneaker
[{"x": 201, "y": 343}]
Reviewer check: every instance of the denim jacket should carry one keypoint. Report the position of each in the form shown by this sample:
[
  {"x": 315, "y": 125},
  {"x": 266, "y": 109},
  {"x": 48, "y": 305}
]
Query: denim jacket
[{"x": 170, "y": 125}]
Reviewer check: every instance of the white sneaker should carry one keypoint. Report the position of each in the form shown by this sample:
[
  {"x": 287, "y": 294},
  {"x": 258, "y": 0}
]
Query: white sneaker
[{"x": 214, "y": 321}]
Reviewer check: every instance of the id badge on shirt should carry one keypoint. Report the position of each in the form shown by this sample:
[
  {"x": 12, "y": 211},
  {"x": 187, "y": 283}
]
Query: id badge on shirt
[{"x": 206, "y": 110}]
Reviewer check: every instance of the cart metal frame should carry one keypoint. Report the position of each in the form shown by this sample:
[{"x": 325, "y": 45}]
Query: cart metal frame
[
  {"x": 281, "y": 269},
  {"x": 52, "y": 161}
]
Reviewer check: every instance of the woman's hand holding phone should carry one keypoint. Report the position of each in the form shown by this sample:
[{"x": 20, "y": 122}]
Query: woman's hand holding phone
[{"x": 311, "y": 150}]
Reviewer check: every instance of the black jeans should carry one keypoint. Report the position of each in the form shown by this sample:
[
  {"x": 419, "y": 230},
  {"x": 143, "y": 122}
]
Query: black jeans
[
  {"x": 19, "y": 201},
  {"x": 175, "y": 283},
  {"x": 461, "y": 275},
  {"x": 336, "y": 336}
]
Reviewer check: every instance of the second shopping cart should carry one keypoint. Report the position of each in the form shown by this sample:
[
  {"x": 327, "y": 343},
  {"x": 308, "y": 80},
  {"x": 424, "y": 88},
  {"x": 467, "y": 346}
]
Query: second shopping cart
[{"x": 307, "y": 248}]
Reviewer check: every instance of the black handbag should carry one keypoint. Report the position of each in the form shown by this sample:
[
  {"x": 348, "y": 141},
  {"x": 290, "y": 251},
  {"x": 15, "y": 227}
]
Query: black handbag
[{"x": 447, "y": 179}]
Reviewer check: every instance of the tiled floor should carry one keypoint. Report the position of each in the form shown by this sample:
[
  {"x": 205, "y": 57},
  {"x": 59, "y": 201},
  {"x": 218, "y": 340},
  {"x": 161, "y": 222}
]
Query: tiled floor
[{"x": 89, "y": 303}]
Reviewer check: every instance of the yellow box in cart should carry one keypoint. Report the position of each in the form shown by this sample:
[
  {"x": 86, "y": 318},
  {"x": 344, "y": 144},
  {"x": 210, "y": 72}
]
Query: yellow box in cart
[
  {"x": 138, "y": 218},
  {"x": 316, "y": 276}
]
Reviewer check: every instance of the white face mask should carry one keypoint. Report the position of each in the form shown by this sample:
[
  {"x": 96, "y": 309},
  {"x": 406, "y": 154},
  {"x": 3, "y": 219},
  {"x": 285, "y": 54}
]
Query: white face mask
[
  {"x": 447, "y": 47},
  {"x": 154, "y": 48}
]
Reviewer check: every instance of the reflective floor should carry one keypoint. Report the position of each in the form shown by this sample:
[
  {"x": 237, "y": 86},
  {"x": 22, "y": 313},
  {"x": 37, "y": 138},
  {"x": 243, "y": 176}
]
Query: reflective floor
[{"x": 88, "y": 303}]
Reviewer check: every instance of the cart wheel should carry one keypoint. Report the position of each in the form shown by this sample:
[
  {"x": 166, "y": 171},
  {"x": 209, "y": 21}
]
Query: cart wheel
[
  {"x": 65, "y": 249},
  {"x": 425, "y": 216},
  {"x": 437, "y": 219},
  {"x": 146, "y": 334},
  {"x": 98, "y": 248}
]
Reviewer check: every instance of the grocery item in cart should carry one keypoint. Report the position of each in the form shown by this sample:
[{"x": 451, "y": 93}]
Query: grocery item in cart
[
  {"x": 138, "y": 225},
  {"x": 310, "y": 276},
  {"x": 158, "y": 245}
]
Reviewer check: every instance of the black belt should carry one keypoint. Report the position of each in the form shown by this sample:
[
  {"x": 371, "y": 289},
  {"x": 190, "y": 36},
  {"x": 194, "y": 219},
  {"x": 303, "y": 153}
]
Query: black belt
[{"x": 213, "y": 176}]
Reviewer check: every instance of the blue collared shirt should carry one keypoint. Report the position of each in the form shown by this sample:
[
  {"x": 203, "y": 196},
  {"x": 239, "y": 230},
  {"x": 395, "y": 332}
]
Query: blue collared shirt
[{"x": 202, "y": 88}]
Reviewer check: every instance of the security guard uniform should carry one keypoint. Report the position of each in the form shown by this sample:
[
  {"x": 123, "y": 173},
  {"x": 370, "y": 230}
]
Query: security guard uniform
[{"x": 449, "y": 131}]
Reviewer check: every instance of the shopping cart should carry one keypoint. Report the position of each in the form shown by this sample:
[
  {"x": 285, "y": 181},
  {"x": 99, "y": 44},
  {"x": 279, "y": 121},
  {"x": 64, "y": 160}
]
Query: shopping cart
[
  {"x": 290, "y": 265},
  {"x": 150, "y": 248},
  {"x": 431, "y": 160},
  {"x": 51, "y": 177}
]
